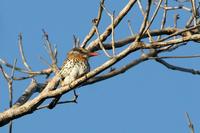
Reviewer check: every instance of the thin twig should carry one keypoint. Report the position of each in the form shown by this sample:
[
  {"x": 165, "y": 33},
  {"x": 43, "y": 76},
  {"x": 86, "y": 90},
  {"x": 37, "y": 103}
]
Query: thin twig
[
  {"x": 190, "y": 124},
  {"x": 182, "y": 1},
  {"x": 111, "y": 15},
  {"x": 4, "y": 62},
  {"x": 22, "y": 53},
  {"x": 120, "y": 70},
  {"x": 113, "y": 34},
  {"x": 23, "y": 77},
  {"x": 176, "y": 7},
  {"x": 45, "y": 61},
  {"x": 175, "y": 57},
  {"x": 100, "y": 43},
  {"x": 5, "y": 75},
  {"x": 108, "y": 30},
  {"x": 189, "y": 22},
  {"x": 171, "y": 48},
  {"x": 164, "y": 18},
  {"x": 10, "y": 88},
  {"x": 176, "y": 17},
  {"x": 145, "y": 22},
  {"x": 32, "y": 73},
  {"x": 194, "y": 11},
  {"x": 74, "y": 100},
  {"x": 11, "y": 92},
  {"x": 130, "y": 28},
  {"x": 153, "y": 17},
  {"x": 97, "y": 20},
  {"x": 130, "y": 39},
  {"x": 51, "y": 52},
  {"x": 179, "y": 32},
  {"x": 177, "y": 68}
]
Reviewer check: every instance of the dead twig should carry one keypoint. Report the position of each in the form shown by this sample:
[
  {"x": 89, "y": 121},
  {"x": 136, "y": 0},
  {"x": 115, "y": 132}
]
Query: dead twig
[
  {"x": 96, "y": 20},
  {"x": 121, "y": 70},
  {"x": 74, "y": 100},
  {"x": 10, "y": 88},
  {"x": 100, "y": 43},
  {"x": 130, "y": 28},
  {"x": 175, "y": 57},
  {"x": 108, "y": 30},
  {"x": 145, "y": 21},
  {"x": 30, "y": 73},
  {"x": 22, "y": 53},
  {"x": 177, "y": 68},
  {"x": 194, "y": 11},
  {"x": 164, "y": 18},
  {"x": 111, "y": 15},
  {"x": 153, "y": 17},
  {"x": 52, "y": 53},
  {"x": 190, "y": 124},
  {"x": 179, "y": 33}
]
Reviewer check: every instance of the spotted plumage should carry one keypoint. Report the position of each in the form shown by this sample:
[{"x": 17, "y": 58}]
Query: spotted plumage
[{"x": 75, "y": 65}]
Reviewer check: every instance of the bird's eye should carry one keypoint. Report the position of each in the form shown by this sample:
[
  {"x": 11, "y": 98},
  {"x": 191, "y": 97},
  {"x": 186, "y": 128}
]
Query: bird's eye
[{"x": 84, "y": 51}]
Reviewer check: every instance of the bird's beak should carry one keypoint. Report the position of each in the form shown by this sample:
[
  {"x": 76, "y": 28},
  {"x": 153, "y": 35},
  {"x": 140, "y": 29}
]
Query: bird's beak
[{"x": 93, "y": 54}]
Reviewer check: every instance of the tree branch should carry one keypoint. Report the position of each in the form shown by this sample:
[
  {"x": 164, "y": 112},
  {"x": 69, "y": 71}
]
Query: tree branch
[
  {"x": 108, "y": 30},
  {"x": 172, "y": 67}
]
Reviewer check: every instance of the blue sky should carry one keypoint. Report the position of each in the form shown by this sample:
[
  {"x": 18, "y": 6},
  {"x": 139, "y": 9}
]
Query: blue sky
[{"x": 147, "y": 98}]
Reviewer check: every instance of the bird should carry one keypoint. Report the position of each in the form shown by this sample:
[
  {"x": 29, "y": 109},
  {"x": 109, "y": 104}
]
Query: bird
[{"x": 74, "y": 66}]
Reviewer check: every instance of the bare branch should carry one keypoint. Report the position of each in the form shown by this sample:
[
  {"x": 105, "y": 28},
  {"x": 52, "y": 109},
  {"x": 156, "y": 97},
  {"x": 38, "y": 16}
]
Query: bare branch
[
  {"x": 172, "y": 67},
  {"x": 111, "y": 15},
  {"x": 100, "y": 43},
  {"x": 189, "y": 22},
  {"x": 121, "y": 70},
  {"x": 30, "y": 73},
  {"x": 22, "y": 52},
  {"x": 145, "y": 21},
  {"x": 180, "y": 32},
  {"x": 163, "y": 18},
  {"x": 52, "y": 53},
  {"x": 175, "y": 57},
  {"x": 195, "y": 37},
  {"x": 29, "y": 91},
  {"x": 45, "y": 61},
  {"x": 153, "y": 17},
  {"x": 10, "y": 88},
  {"x": 74, "y": 100},
  {"x": 190, "y": 124},
  {"x": 131, "y": 39},
  {"x": 176, "y": 7},
  {"x": 171, "y": 48},
  {"x": 4, "y": 74},
  {"x": 117, "y": 20},
  {"x": 176, "y": 17},
  {"x": 130, "y": 28},
  {"x": 194, "y": 11},
  {"x": 97, "y": 20}
]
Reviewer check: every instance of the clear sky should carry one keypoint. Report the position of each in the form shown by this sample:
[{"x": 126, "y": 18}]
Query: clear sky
[{"x": 146, "y": 99}]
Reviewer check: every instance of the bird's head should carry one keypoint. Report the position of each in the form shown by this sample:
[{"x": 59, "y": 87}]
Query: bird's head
[{"x": 81, "y": 53}]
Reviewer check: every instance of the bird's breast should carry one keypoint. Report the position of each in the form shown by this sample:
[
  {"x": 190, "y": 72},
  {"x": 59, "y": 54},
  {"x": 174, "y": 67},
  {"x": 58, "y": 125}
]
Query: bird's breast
[{"x": 74, "y": 68}]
